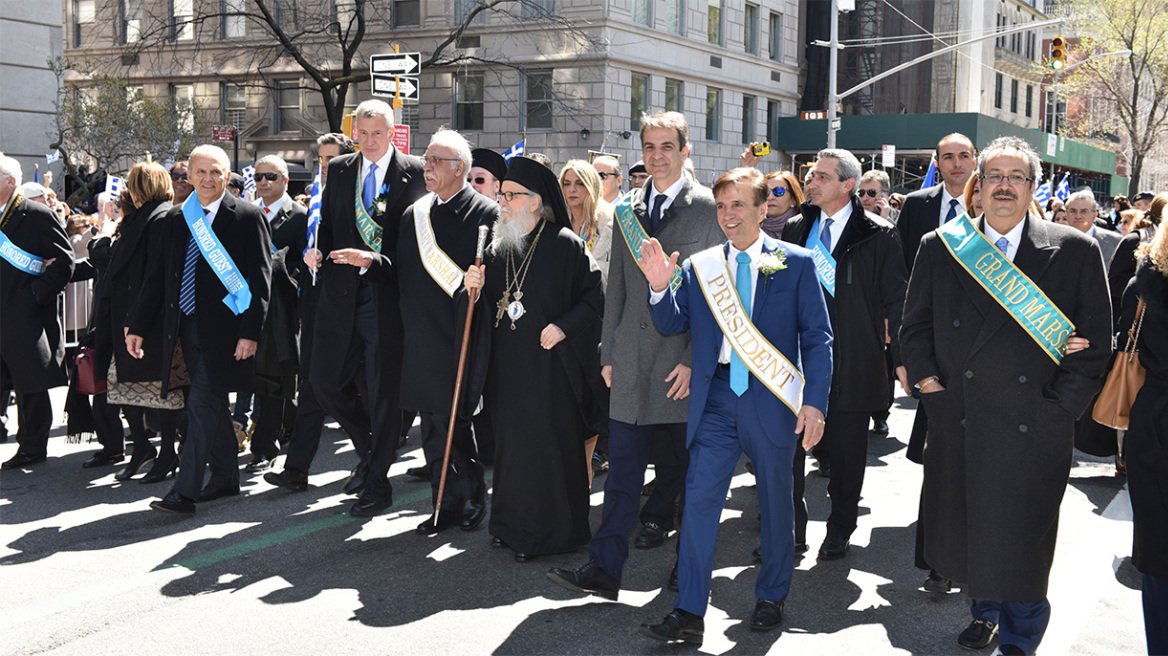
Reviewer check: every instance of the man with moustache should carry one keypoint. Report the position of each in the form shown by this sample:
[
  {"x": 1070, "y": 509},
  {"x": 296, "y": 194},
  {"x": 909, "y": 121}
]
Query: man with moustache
[
  {"x": 357, "y": 317},
  {"x": 1006, "y": 333},
  {"x": 211, "y": 244}
]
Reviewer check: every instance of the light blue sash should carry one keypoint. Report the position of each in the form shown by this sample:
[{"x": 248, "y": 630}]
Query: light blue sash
[
  {"x": 634, "y": 234},
  {"x": 824, "y": 262},
  {"x": 20, "y": 258},
  {"x": 1008, "y": 285},
  {"x": 238, "y": 297}
]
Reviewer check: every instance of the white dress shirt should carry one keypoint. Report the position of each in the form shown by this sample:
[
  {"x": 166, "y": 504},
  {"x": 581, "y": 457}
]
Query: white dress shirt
[
  {"x": 839, "y": 221},
  {"x": 946, "y": 197},
  {"x": 213, "y": 208},
  {"x": 1014, "y": 237},
  {"x": 379, "y": 174},
  {"x": 670, "y": 192},
  {"x": 274, "y": 208}
]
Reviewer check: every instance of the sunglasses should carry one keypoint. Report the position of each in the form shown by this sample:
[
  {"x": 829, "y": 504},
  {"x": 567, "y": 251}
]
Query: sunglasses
[
  {"x": 270, "y": 177},
  {"x": 870, "y": 192},
  {"x": 605, "y": 176},
  {"x": 479, "y": 181},
  {"x": 779, "y": 192},
  {"x": 178, "y": 176}
]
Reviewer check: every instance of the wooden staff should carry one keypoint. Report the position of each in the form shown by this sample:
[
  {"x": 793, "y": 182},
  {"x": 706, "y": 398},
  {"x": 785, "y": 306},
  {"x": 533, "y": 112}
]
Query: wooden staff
[{"x": 473, "y": 296}]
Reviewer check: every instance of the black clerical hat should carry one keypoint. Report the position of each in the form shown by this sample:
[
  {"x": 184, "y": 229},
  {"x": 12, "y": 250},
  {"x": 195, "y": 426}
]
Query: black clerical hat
[
  {"x": 485, "y": 158},
  {"x": 639, "y": 167},
  {"x": 539, "y": 179}
]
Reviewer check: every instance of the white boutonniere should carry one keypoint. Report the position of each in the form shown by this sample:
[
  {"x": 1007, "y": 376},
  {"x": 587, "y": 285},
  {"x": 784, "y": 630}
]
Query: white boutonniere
[
  {"x": 382, "y": 199},
  {"x": 769, "y": 264}
]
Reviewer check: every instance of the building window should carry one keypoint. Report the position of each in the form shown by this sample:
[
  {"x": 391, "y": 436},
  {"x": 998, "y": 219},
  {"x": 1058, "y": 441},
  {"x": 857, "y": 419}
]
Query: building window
[
  {"x": 1029, "y": 100},
  {"x": 1051, "y": 121},
  {"x": 182, "y": 100},
  {"x": 410, "y": 115},
  {"x": 84, "y": 14},
  {"x": 181, "y": 16},
  {"x": 463, "y": 8},
  {"x": 748, "y": 103},
  {"x": 673, "y": 95},
  {"x": 287, "y": 106},
  {"x": 537, "y": 100},
  {"x": 284, "y": 13},
  {"x": 714, "y": 28},
  {"x": 750, "y": 35},
  {"x": 776, "y": 37},
  {"x": 131, "y": 11},
  {"x": 772, "y": 121},
  {"x": 642, "y": 13},
  {"x": 1013, "y": 96},
  {"x": 233, "y": 105},
  {"x": 998, "y": 91},
  {"x": 713, "y": 114},
  {"x": 407, "y": 13},
  {"x": 675, "y": 17},
  {"x": 468, "y": 101},
  {"x": 345, "y": 13},
  {"x": 638, "y": 100},
  {"x": 537, "y": 9},
  {"x": 234, "y": 21}
]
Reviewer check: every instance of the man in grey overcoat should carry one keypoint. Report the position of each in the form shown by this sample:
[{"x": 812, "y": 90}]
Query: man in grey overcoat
[{"x": 1001, "y": 407}]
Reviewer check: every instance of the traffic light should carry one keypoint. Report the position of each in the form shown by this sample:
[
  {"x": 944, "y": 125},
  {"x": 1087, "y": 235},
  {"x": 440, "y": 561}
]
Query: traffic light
[{"x": 1058, "y": 53}]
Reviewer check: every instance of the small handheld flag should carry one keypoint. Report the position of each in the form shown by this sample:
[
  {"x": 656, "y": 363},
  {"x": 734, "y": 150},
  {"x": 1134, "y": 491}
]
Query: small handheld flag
[
  {"x": 314, "y": 216},
  {"x": 53, "y": 156},
  {"x": 1063, "y": 190},
  {"x": 113, "y": 186},
  {"x": 1042, "y": 193},
  {"x": 515, "y": 151},
  {"x": 249, "y": 184}
]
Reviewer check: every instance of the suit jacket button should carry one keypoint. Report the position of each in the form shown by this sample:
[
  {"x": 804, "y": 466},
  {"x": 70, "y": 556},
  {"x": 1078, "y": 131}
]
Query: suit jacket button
[
  {"x": 1022, "y": 428},
  {"x": 957, "y": 323},
  {"x": 969, "y": 374},
  {"x": 644, "y": 326},
  {"x": 963, "y": 423},
  {"x": 707, "y": 379},
  {"x": 1021, "y": 379}
]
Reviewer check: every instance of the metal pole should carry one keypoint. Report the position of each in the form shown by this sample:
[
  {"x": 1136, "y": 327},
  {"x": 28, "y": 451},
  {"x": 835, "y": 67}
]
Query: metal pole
[
  {"x": 1054, "y": 126},
  {"x": 833, "y": 68}
]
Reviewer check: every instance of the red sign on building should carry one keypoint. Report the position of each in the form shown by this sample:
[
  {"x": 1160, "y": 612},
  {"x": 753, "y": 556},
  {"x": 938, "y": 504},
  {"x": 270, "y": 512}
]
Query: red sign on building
[
  {"x": 401, "y": 138},
  {"x": 222, "y": 133}
]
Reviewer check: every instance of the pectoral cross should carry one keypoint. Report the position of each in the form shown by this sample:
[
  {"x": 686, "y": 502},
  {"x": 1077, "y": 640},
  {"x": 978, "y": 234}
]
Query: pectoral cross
[{"x": 502, "y": 305}]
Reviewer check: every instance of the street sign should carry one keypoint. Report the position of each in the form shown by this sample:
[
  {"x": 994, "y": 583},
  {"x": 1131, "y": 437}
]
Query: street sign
[
  {"x": 401, "y": 138},
  {"x": 402, "y": 63},
  {"x": 813, "y": 116},
  {"x": 222, "y": 133},
  {"x": 889, "y": 156},
  {"x": 388, "y": 86},
  {"x": 835, "y": 124}
]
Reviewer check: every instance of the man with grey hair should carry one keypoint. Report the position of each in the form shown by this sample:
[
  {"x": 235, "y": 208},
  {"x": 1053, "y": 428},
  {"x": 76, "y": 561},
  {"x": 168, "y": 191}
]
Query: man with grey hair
[
  {"x": 861, "y": 269},
  {"x": 609, "y": 169},
  {"x": 873, "y": 191},
  {"x": 32, "y": 352},
  {"x": 1081, "y": 214},
  {"x": 1006, "y": 333}
]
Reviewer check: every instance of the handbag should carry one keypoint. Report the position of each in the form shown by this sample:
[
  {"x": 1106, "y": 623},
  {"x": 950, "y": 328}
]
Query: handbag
[
  {"x": 1113, "y": 407},
  {"x": 142, "y": 395},
  {"x": 88, "y": 382}
]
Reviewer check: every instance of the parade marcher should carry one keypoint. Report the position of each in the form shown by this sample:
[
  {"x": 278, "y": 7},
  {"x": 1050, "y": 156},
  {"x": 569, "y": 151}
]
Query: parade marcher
[
  {"x": 608, "y": 168},
  {"x": 591, "y": 214},
  {"x": 1123, "y": 263},
  {"x": 36, "y": 263},
  {"x": 638, "y": 175},
  {"x": 861, "y": 268},
  {"x": 212, "y": 243},
  {"x": 873, "y": 192},
  {"x": 357, "y": 318},
  {"x": 178, "y": 179},
  {"x": 487, "y": 171},
  {"x": 648, "y": 373},
  {"x": 783, "y": 201},
  {"x": 992, "y": 307},
  {"x": 541, "y": 303},
  {"x": 747, "y": 397},
  {"x": 436, "y": 243}
]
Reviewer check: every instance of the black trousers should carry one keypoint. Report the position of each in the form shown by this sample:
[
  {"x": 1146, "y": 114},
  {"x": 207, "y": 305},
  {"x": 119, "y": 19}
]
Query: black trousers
[
  {"x": 661, "y": 506},
  {"x": 464, "y": 475},
  {"x": 274, "y": 417},
  {"x": 210, "y": 436},
  {"x": 107, "y": 423},
  {"x": 847, "y": 436},
  {"x": 34, "y": 414}
]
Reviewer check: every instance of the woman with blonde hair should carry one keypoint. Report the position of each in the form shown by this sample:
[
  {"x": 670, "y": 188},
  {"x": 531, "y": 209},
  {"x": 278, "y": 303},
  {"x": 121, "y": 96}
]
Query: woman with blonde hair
[
  {"x": 1142, "y": 227},
  {"x": 591, "y": 214}
]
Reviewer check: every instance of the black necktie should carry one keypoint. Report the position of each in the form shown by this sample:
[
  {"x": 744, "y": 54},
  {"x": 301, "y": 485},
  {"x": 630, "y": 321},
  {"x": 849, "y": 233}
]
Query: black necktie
[{"x": 655, "y": 214}]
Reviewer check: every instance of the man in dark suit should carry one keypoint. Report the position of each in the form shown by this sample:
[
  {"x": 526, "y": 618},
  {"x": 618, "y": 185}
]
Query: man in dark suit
[
  {"x": 1081, "y": 215},
  {"x": 862, "y": 273},
  {"x": 36, "y": 263},
  {"x": 747, "y": 396},
  {"x": 361, "y": 211},
  {"x": 1004, "y": 377},
  {"x": 278, "y": 361},
  {"x": 211, "y": 244}
]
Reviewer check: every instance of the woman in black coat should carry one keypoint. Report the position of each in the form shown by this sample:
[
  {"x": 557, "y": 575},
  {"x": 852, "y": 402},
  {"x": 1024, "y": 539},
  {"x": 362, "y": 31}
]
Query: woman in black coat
[
  {"x": 1146, "y": 443},
  {"x": 149, "y": 185}
]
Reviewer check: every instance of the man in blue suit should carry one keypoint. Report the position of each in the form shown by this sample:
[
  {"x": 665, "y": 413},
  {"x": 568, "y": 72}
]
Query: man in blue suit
[{"x": 746, "y": 395}]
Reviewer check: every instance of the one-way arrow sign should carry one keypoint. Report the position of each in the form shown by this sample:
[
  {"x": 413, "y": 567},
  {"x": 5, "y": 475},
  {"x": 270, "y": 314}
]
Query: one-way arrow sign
[
  {"x": 389, "y": 85},
  {"x": 402, "y": 63}
]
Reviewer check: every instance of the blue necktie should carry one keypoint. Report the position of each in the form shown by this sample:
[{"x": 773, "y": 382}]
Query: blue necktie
[
  {"x": 952, "y": 210},
  {"x": 186, "y": 294},
  {"x": 1002, "y": 243},
  {"x": 825, "y": 234},
  {"x": 369, "y": 187},
  {"x": 744, "y": 283},
  {"x": 655, "y": 212}
]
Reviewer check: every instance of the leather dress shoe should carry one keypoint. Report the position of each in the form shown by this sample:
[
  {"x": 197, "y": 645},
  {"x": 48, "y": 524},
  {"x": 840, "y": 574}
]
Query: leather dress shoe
[
  {"x": 422, "y": 473},
  {"x": 673, "y": 578},
  {"x": 678, "y": 626},
  {"x": 355, "y": 483},
  {"x": 212, "y": 492},
  {"x": 599, "y": 461},
  {"x": 102, "y": 458},
  {"x": 524, "y": 557},
  {"x": 880, "y": 427},
  {"x": 473, "y": 513},
  {"x": 589, "y": 578},
  {"x": 833, "y": 548},
  {"x": 498, "y": 543},
  {"x": 428, "y": 527},
  {"x": 824, "y": 469},
  {"x": 937, "y": 584},
  {"x": 978, "y": 635},
  {"x": 767, "y": 615},
  {"x": 370, "y": 505},
  {"x": 289, "y": 479},
  {"x": 259, "y": 464},
  {"x": 23, "y": 460},
  {"x": 800, "y": 546},
  {"x": 175, "y": 503},
  {"x": 650, "y": 536}
]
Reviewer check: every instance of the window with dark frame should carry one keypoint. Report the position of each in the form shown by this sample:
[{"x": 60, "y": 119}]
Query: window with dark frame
[
  {"x": 407, "y": 13},
  {"x": 713, "y": 114},
  {"x": 468, "y": 101},
  {"x": 537, "y": 100},
  {"x": 638, "y": 100}
]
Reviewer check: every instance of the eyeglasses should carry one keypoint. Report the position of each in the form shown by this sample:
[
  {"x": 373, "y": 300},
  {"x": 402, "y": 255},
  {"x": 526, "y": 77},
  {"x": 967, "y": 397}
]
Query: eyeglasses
[
  {"x": 433, "y": 160},
  {"x": 178, "y": 176},
  {"x": 605, "y": 176},
  {"x": 510, "y": 195},
  {"x": 872, "y": 193},
  {"x": 894, "y": 205},
  {"x": 270, "y": 177},
  {"x": 779, "y": 192},
  {"x": 1014, "y": 179},
  {"x": 479, "y": 181}
]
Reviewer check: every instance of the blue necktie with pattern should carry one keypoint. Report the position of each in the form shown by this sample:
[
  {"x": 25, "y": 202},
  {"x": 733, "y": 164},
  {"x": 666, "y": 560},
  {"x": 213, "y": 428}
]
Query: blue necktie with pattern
[
  {"x": 1002, "y": 243},
  {"x": 186, "y": 294},
  {"x": 744, "y": 283},
  {"x": 825, "y": 234},
  {"x": 952, "y": 210},
  {"x": 369, "y": 187}
]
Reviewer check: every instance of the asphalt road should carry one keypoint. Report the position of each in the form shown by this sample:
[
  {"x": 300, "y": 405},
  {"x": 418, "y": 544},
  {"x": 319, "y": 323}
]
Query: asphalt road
[{"x": 87, "y": 568}]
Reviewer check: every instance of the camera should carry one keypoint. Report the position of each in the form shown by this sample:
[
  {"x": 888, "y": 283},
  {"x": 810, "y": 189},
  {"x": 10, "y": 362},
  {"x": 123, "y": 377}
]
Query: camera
[{"x": 761, "y": 149}]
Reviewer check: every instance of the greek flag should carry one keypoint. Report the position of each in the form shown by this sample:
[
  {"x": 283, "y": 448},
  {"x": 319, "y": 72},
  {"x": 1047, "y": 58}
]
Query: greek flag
[
  {"x": 515, "y": 151},
  {"x": 113, "y": 186},
  {"x": 1063, "y": 190},
  {"x": 36, "y": 173},
  {"x": 931, "y": 175},
  {"x": 1042, "y": 193},
  {"x": 53, "y": 156},
  {"x": 249, "y": 180},
  {"x": 313, "y": 212}
]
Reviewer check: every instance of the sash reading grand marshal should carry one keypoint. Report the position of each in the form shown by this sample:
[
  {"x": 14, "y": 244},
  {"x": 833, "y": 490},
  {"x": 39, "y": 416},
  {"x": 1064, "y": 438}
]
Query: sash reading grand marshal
[
  {"x": 763, "y": 360},
  {"x": 13, "y": 254},
  {"x": 634, "y": 234},
  {"x": 238, "y": 297},
  {"x": 370, "y": 230},
  {"x": 1008, "y": 285},
  {"x": 437, "y": 263}
]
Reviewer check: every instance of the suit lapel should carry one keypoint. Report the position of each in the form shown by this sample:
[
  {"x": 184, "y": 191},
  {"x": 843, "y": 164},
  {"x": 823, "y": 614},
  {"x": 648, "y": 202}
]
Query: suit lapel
[{"x": 398, "y": 180}]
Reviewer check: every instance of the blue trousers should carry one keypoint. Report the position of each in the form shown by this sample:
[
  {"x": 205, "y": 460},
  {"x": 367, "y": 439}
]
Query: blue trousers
[
  {"x": 727, "y": 429},
  {"x": 210, "y": 437},
  {"x": 1020, "y": 623},
  {"x": 629, "y": 446}
]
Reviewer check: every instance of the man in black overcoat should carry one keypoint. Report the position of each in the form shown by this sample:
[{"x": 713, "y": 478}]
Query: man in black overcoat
[
  {"x": 1001, "y": 408},
  {"x": 185, "y": 296},
  {"x": 31, "y": 349},
  {"x": 356, "y": 316}
]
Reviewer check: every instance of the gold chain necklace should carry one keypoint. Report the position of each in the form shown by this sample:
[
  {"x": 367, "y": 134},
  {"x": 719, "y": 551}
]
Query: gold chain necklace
[{"x": 514, "y": 308}]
